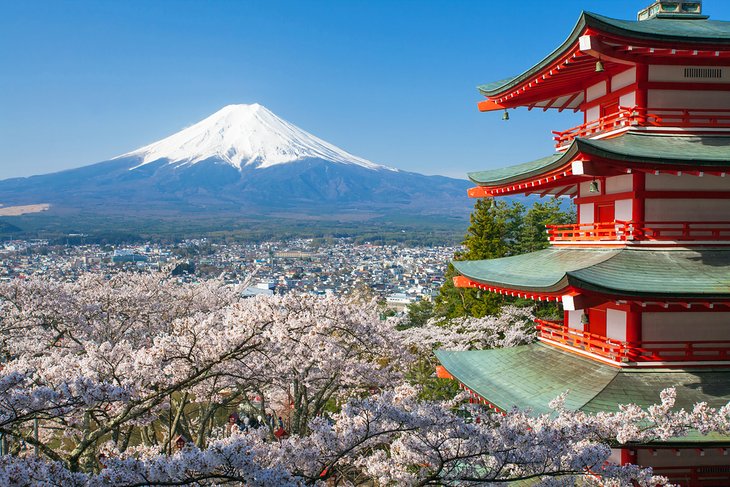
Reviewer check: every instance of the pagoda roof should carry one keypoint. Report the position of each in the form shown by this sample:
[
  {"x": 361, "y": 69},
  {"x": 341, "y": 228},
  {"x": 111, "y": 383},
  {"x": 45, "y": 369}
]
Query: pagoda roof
[
  {"x": 637, "y": 148},
  {"x": 672, "y": 274},
  {"x": 689, "y": 30},
  {"x": 530, "y": 376}
]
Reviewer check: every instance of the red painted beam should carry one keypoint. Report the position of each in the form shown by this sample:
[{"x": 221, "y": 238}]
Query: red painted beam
[
  {"x": 490, "y": 106},
  {"x": 593, "y": 46},
  {"x": 465, "y": 282},
  {"x": 479, "y": 192}
]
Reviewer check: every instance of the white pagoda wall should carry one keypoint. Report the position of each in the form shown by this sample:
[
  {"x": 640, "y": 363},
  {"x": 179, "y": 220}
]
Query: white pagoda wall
[
  {"x": 694, "y": 209},
  {"x": 685, "y": 326},
  {"x": 675, "y": 73},
  {"x": 574, "y": 319},
  {"x": 616, "y": 324},
  {"x": 702, "y": 100},
  {"x": 617, "y": 82},
  {"x": 690, "y": 210},
  {"x": 690, "y": 98},
  {"x": 686, "y": 182}
]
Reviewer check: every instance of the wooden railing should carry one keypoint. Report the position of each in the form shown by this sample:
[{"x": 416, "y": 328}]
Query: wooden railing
[
  {"x": 644, "y": 351},
  {"x": 580, "y": 232},
  {"x": 625, "y": 117},
  {"x": 583, "y": 340},
  {"x": 682, "y": 231},
  {"x": 681, "y": 117},
  {"x": 691, "y": 476},
  {"x": 645, "y": 231},
  {"x": 650, "y": 117}
]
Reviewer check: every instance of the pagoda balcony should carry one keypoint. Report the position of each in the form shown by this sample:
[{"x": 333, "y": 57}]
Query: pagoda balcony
[
  {"x": 628, "y": 231},
  {"x": 643, "y": 352},
  {"x": 626, "y": 118}
]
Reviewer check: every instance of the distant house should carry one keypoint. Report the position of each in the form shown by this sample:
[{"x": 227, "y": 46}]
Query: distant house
[{"x": 127, "y": 256}]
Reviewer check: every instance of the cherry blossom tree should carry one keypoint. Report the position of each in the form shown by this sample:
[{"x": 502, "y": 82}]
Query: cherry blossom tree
[
  {"x": 513, "y": 326},
  {"x": 394, "y": 438},
  {"x": 99, "y": 375},
  {"x": 143, "y": 356}
]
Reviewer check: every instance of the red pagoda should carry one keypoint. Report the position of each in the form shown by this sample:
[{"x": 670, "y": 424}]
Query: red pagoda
[{"x": 644, "y": 275}]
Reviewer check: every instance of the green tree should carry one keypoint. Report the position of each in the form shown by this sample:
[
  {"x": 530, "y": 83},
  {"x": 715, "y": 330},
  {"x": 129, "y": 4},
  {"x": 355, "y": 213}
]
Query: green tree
[
  {"x": 419, "y": 313},
  {"x": 491, "y": 229},
  {"x": 499, "y": 229},
  {"x": 533, "y": 234}
]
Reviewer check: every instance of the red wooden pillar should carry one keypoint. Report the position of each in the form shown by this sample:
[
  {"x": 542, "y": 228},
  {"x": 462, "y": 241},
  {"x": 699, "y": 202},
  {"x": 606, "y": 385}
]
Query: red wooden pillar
[
  {"x": 633, "y": 331},
  {"x": 637, "y": 204},
  {"x": 642, "y": 79},
  {"x": 628, "y": 456}
]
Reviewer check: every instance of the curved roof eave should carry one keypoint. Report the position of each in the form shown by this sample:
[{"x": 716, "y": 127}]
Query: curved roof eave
[
  {"x": 497, "y": 87},
  {"x": 709, "y": 150},
  {"x": 666, "y": 274},
  {"x": 636, "y": 148},
  {"x": 530, "y": 376},
  {"x": 543, "y": 271},
  {"x": 687, "y": 31},
  {"x": 532, "y": 168}
]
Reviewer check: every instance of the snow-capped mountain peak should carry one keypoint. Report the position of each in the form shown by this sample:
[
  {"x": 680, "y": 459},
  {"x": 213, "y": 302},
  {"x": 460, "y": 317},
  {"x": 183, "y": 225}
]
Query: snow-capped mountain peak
[{"x": 243, "y": 135}]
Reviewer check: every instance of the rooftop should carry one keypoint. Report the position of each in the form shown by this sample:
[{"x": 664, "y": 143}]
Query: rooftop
[
  {"x": 689, "y": 31},
  {"x": 530, "y": 376},
  {"x": 666, "y": 274},
  {"x": 636, "y": 149}
]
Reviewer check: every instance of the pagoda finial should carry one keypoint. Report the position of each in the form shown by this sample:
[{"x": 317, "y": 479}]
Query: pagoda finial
[{"x": 672, "y": 9}]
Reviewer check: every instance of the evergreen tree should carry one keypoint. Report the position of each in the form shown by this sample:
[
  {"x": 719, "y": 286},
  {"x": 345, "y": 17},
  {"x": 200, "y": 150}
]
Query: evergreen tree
[
  {"x": 533, "y": 235},
  {"x": 499, "y": 229},
  {"x": 488, "y": 237}
]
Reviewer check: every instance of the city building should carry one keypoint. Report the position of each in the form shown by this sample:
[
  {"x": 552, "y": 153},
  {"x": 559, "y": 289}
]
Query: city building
[{"x": 644, "y": 274}]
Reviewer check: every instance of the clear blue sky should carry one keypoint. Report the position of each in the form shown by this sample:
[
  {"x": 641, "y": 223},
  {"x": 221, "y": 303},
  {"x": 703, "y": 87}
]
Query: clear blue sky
[{"x": 392, "y": 81}]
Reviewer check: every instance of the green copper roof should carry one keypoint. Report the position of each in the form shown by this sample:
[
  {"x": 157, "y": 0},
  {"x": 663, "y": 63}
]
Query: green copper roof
[
  {"x": 508, "y": 174},
  {"x": 685, "y": 30},
  {"x": 634, "y": 147},
  {"x": 706, "y": 150},
  {"x": 668, "y": 273},
  {"x": 544, "y": 270},
  {"x": 521, "y": 376},
  {"x": 530, "y": 376},
  {"x": 701, "y": 274}
]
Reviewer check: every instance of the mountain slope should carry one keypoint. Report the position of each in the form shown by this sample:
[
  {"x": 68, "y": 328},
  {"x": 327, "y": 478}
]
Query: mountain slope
[
  {"x": 242, "y": 160},
  {"x": 243, "y": 135}
]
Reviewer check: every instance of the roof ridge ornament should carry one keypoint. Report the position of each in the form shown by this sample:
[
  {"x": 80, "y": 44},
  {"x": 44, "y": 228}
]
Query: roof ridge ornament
[{"x": 672, "y": 9}]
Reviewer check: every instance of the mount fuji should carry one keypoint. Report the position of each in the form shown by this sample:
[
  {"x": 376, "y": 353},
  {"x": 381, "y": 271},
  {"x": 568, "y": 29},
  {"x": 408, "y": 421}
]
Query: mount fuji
[{"x": 242, "y": 160}]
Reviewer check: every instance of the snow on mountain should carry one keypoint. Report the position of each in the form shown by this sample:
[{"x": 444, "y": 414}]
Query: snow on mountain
[{"x": 244, "y": 135}]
